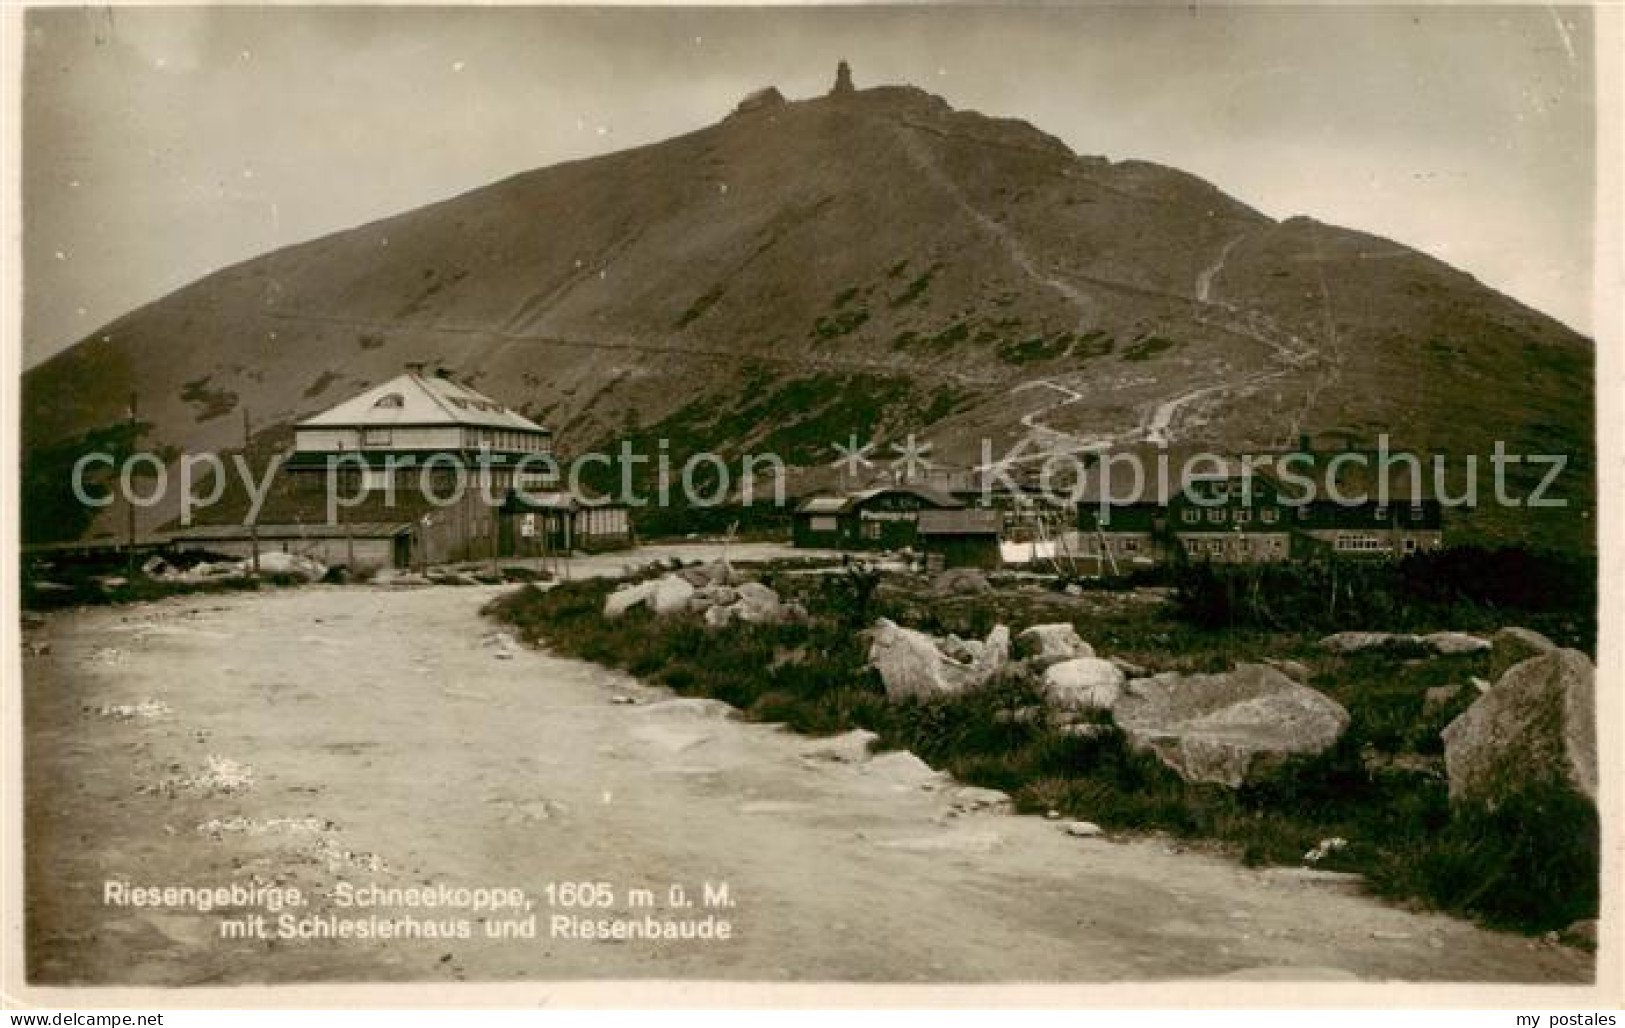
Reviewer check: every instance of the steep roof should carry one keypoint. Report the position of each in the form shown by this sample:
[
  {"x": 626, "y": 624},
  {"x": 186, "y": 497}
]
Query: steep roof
[
  {"x": 414, "y": 399},
  {"x": 316, "y": 530},
  {"x": 822, "y": 505},
  {"x": 935, "y": 497},
  {"x": 840, "y": 504},
  {"x": 1293, "y": 475}
]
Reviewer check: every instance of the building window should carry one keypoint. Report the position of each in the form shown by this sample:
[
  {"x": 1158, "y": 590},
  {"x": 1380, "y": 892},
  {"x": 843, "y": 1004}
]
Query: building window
[
  {"x": 1131, "y": 545},
  {"x": 1410, "y": 545},
  {"x": 376, "y": 437},
  {"x": 1351, "y": 542},
  {"x": 1380, "y": 514},
  {"x": 1269, "y": 515},
  {"x": 1216, "y": 547},
  {"x": 871, "y": 530},
  {"x": 1242, "y": 516},
  {"x": 1191, "y": 515},
  {"x": 391, "y": 400},
  {"x": 823, "y": 524},
  {"x": 1216, "y": 515}
]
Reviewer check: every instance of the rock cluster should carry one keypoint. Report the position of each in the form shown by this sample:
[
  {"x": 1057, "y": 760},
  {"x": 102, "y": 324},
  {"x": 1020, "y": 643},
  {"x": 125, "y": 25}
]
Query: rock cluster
[
  {"x": 273, "y": 562},
  {"x": 715, "y": 592},
  {"x": 1226, "y": 729},
  {"x": 1442, "y": 643},
  {"x": 914, "y": 665}
]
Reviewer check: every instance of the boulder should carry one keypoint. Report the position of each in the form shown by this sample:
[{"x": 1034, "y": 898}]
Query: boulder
[
  {"x": 902, "y": 770},
  {"x": 696, "y": 708},
  {"x": 758, "y": 603},
  {"x": 278, "y": 563},
  {"x": 1131, "y": 669},
  {"x": 157, "y": 567},
  {"x": 1452, "y": 643},
  {"x": 718, "y": 616},
  {"x": 503, "y": 643},
  {"x": 912, "y": 666},
  {"x": 972, "y": 797},
  {"x": 722, "y": 594},
  {"x": 994, "y": 653},
  {"x": 1295, "y": 670},
  {"x": 1227, "y": 728},
  {"x": 962, "y": 650},
  {"x": 1536, "y": 726},
  {"x": 1514, "y": 645},
  {"x": 1355, "y": 642},
  {"x": 625, "y": 598},
  {"x": 700, "y": 603},
  {"x": 1086, "y": 683},
  {"x": 962, "y": 582},
  {"x": 1052, "y": 643},
  {"x": 671, "y": 595},
  {"x": 854, "y": 747}
]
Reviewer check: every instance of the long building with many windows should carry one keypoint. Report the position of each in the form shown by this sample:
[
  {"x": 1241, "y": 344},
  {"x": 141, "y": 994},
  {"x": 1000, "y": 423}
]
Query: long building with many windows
[{"x": 1227, "y": 514}]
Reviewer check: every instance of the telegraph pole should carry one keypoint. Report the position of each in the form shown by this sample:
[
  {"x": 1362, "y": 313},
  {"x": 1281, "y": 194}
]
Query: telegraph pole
[
  {"x": 129, "y": 504},
  {"x": 253, "y": 519}
]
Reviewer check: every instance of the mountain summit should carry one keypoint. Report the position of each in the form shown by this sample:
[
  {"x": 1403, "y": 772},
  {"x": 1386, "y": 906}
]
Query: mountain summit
[{"x": 870, "y": 263}]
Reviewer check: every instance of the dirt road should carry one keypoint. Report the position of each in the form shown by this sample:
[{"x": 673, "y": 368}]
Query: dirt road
[{"x": 300, "y": 739}]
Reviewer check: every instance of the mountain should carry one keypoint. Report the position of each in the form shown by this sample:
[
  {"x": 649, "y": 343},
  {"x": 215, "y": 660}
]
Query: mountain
[{"x": 871, "y": 263}]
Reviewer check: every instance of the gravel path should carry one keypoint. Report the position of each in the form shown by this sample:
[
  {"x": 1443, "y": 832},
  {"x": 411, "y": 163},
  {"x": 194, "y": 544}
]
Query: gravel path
[{"x": 312, "y": 738}]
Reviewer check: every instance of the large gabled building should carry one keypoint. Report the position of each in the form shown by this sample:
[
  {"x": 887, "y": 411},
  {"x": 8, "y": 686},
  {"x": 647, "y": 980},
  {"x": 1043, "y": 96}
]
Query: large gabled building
[
  {"x": 414, "y": 418},
  {"x": 417, "y": 470}
]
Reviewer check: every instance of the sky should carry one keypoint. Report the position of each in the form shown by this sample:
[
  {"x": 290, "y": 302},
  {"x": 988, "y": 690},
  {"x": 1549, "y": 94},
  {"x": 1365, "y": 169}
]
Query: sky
[{"x": 160, "y": 144}]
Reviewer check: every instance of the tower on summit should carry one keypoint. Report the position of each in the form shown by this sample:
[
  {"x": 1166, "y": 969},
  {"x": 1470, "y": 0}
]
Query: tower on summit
[{"x": 843, "y": 80}]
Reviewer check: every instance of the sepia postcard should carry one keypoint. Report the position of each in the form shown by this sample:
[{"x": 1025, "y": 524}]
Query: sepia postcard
[{"x": 812, "y": 505}]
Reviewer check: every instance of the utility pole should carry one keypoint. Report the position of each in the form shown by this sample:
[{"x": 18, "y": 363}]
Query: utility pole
[
  {"x": 253, "y": 520},
  {"x": 129, "y": 505}
]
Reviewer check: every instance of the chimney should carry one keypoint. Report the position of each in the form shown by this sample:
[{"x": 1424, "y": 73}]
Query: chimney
[
  {"x": 414, "y": 368},
  {"x": 843, "y": 80}
]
